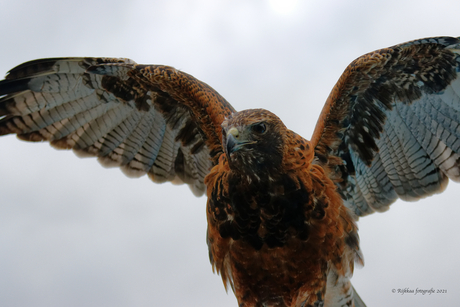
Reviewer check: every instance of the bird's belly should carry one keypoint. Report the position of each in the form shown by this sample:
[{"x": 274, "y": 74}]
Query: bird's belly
[{"x": 273, "y": 276}]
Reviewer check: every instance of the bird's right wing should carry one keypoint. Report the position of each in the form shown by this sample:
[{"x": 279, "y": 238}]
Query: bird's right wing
[{"x": 146, "y": 119}]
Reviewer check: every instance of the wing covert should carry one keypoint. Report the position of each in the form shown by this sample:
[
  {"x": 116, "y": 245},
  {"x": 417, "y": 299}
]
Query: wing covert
[
  {"x": 146, "y": 119},
  {"x": 390, "y": 127}
]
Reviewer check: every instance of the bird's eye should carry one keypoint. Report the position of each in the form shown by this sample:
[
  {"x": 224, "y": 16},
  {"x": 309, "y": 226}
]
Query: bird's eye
[{"x": 259, "y": 128}]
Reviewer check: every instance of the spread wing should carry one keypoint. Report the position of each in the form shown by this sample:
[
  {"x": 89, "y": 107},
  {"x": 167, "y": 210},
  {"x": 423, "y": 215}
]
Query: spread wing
[
  {"x": 391, "y": 126},
  {"x": 146, "y": 119}
]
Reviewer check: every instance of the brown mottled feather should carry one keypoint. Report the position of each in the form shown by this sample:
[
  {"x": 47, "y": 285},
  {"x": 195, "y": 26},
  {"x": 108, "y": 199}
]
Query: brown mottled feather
[
  {"x": 151, "y": 120},
  {"x": 280, "y": 209},
  {"x": 287, "y": 268},
  {"x": 366, "y": 114}
]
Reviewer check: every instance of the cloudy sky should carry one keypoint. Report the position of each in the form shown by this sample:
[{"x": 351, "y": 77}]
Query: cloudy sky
[{"x": 75, "y": 234}]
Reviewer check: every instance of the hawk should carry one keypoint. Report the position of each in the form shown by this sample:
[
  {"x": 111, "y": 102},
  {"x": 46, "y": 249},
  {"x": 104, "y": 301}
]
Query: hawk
[{"x": 281, "y": 209}]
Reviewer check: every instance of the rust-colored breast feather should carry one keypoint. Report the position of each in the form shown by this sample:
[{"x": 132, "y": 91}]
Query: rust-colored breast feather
[{"x": 276, "y": 243}]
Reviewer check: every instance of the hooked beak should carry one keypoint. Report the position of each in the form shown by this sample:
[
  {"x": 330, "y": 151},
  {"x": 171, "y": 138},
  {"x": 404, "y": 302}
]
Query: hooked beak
[
  {"x": 235, "y": 141},
  {"x": 231, "y": 144}
]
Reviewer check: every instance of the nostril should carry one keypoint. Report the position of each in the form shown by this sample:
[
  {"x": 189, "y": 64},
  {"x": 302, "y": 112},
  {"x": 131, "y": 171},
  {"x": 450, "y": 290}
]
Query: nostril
[{"x": 233, "y": 131}]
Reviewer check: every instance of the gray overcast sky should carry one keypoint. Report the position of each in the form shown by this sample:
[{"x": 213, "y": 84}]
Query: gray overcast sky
[{"x": 75, "y": 234}]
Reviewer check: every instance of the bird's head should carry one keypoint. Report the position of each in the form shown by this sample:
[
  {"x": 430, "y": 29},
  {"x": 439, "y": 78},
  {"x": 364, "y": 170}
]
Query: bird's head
[{"x": 253, "y": 141}]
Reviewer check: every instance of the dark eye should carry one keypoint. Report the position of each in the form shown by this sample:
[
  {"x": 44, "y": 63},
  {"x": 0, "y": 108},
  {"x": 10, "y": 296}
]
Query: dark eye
[{"x": 259, "y": 128}]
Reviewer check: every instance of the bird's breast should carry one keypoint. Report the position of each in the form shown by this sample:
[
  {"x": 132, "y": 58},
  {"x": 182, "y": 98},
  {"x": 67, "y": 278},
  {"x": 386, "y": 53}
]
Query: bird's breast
[{"x": 272, "y": 238}]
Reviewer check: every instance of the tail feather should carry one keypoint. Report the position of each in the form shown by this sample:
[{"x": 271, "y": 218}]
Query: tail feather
[{"x": 357, "y": 300}]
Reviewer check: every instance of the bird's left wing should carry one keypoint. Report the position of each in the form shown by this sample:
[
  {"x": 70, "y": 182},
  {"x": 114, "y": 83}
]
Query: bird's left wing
[
  {"x": 146, "y": 119},
  {"x": 391, "y": 126}
]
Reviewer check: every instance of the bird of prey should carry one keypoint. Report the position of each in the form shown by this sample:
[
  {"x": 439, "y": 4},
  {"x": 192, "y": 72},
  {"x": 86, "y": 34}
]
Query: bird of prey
[{"x": 281, "y": 209}]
